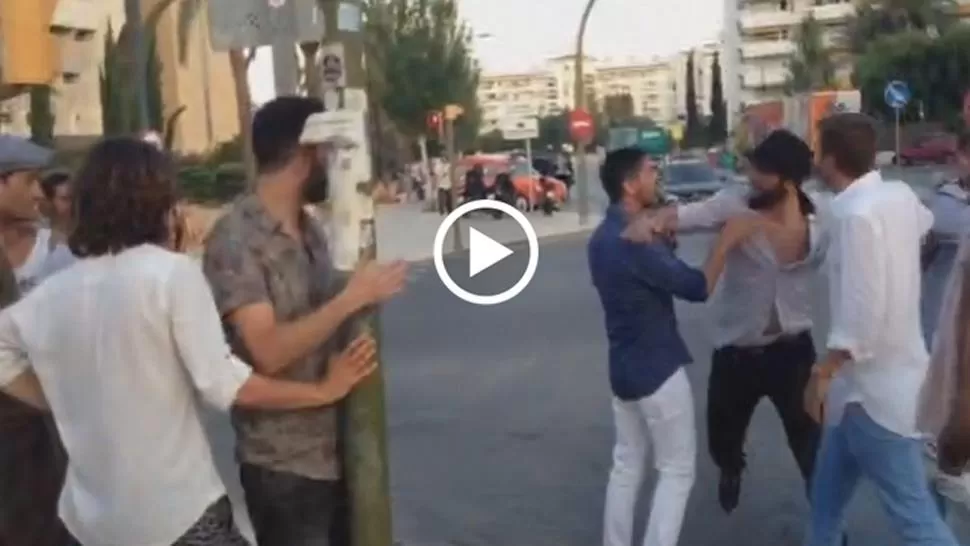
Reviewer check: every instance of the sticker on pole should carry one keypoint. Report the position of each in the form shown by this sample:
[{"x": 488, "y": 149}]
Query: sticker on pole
[
  {"x": 277, "y": 4},
  {"x": 334, "y": 66},
  {"x": 897, "y": 94}
]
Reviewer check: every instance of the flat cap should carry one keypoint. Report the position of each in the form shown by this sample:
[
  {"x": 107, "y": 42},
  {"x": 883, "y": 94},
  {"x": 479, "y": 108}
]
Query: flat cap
[{"x": 20, "y": 154}]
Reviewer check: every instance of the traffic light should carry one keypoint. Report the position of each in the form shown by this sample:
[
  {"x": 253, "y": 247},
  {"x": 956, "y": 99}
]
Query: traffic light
[
  {"x": 435, "y": 126},
  {"x": 28, "y": 55}
]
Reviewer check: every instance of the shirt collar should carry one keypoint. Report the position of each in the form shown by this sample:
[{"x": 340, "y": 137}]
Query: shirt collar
[
  {"x": 955, "y": 190},
  {"x": 615, "y": 213},
  {"x": 859, "y": 185}
]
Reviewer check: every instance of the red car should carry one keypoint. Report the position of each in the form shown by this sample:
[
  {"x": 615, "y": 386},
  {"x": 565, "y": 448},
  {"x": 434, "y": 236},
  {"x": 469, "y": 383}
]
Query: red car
[{"x": 936, "y": 148}]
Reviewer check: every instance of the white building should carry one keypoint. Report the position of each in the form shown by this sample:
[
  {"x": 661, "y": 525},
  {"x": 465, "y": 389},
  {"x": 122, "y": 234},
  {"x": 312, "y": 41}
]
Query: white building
[{"x": 658, "y": 87}]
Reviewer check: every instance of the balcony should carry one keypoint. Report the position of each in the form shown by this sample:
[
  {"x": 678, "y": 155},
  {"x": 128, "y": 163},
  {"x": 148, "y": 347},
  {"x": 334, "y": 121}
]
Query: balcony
[
  {"x": 86, "y": 15},
  {"x": 767, "y": 77},
  {"x": 767, "y": 49},
  {"x": 757, "y": 19},
  {"x": 833, "y": 13}
]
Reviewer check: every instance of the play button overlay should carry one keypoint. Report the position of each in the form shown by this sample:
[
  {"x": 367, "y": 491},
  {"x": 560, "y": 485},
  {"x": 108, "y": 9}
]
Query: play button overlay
[
  {"x": 489, "y": 271},
  {"x": 484, "y": 252}
]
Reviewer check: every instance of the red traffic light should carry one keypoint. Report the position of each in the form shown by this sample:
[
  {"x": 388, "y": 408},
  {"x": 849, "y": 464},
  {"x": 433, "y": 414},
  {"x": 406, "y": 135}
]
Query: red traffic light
[{"x": 434, "y": 121}]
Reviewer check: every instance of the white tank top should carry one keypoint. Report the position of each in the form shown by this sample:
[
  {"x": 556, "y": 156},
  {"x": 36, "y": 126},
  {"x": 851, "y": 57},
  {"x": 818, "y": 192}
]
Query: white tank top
[{"x": 29, "y": 274}]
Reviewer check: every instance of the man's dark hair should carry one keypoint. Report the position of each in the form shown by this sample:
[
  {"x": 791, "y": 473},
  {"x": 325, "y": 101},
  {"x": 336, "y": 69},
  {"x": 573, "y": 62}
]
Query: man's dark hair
[
  {"x": 619, "y": 167},
  {"x": 850, "y": 140},
  {"x": 53, "y": 180},
  {"x": 789, "y": 158},
  {"x": 124, "y": 196},
  {"x": 277, "y": 126}
]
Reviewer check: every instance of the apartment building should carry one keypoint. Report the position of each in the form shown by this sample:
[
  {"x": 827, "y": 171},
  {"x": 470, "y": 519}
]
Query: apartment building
[
  {"x": 196, "y": 78},
  {"x": 658, "y": 87}
]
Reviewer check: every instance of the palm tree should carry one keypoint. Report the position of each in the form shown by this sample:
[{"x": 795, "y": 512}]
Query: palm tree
[
  {"x": 811, "y": 67},
  {"x": 875, "y": 18}
]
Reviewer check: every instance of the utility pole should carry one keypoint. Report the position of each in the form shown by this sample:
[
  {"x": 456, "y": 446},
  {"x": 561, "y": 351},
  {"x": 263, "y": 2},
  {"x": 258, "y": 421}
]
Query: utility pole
[
  {"x": 579, "y": 89},
  {"x": 135, "y": 22},
  {"x": 452, "y": 111},
  {"x": 366, "y": 468}
]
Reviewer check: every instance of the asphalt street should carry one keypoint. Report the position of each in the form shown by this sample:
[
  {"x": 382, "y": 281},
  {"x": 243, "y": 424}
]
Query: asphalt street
[{"x": 501, "y": 428}]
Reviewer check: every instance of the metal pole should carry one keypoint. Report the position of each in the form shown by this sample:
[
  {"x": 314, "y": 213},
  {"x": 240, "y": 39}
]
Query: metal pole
[
  {"x": 286, "y": 69},
  {"x": 899, "y": 160},
  {"x": 528, "y": 158},
  {"x": 582, "y": 170},
  {"x": 450, "y": 153},
  {"x": 364, "y": 442}
]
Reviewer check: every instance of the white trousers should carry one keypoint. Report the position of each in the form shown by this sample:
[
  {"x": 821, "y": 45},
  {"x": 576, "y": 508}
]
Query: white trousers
[{"x": 664, "y": 420}]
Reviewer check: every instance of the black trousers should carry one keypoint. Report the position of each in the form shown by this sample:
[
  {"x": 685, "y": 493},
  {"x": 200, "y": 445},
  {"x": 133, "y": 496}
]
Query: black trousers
[
  {"x": 215, "y": 528},
  {"x": 446, "y": 203},
  {"x": 291, "y": 510},
  {"x": 740, "y": 378}
]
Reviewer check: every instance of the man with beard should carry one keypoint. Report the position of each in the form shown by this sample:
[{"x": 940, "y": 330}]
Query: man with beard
[
  {"x": 652, "y": 400},
  {"x": 271, "y": 276},
  {"x": 31, "y": 456},
  {"x": 762, "y": 309}
]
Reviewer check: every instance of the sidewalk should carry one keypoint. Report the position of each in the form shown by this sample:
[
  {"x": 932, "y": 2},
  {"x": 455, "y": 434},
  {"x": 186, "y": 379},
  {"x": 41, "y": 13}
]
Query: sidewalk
[{"x": 405, "y": 232}]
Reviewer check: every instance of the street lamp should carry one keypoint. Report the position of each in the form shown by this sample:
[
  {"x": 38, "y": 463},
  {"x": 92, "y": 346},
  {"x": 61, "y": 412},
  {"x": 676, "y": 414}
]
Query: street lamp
[{"x": 582, "y": 181}]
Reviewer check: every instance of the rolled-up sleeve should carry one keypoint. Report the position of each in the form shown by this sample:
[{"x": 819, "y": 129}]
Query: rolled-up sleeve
[
  {"x": 13, "y": 355},
  {"x": 859, "y": 300},
  {"x": 711, "y": 212},
  {"x": 657, "y": 266},
  {"x": 215, "y": 372}
]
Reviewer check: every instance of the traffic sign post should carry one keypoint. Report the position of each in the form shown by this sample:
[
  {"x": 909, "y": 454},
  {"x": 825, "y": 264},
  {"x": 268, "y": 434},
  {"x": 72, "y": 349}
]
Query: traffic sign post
[
  {"x": 897, "y": 95},
  {"x": 582, "y": 129},
  {"x": 523, "y": 128}
]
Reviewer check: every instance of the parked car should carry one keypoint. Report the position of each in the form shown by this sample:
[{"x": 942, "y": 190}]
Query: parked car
[
  {"x": 692, "y": 179},
  {"x": 934, "y": 148}
]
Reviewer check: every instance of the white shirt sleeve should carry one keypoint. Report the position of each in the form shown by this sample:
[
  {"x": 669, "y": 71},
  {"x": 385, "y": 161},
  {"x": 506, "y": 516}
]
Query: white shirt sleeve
[
  {"x": 711, "y": 212},
  {"x": 13, "y": 355},
  {"x": 860, "y": 276},
  {"x": 215, "y": 372}
]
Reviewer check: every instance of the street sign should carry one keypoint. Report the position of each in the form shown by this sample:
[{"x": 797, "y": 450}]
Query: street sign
[
  {"x": 453, "y": 111},
  {"x": 238, "y": 24},
  {"x": 897, "y": 94},
  {"x": 519, "y": 110},
  {"x": 581, "y": 126},
  {"x": 519, "y": 128}
]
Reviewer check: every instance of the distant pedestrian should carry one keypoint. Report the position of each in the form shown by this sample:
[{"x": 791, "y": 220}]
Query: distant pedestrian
[
  {"x": 442, "y": 175},
  {"x": 653, "y": 406},
  {"x": 876, "y": 360}
]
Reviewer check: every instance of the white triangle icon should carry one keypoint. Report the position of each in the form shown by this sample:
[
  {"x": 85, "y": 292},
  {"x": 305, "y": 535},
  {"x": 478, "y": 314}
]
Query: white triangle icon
[{"x": 484, "y": 252}]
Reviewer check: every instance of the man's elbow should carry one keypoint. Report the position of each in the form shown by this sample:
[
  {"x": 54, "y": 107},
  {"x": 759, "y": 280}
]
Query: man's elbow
[
  {"x": 268, "y": 355},
  {"x": 695, "y": 290}
]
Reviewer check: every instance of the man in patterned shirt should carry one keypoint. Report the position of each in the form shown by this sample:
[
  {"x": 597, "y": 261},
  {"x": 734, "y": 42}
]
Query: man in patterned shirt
[{"x": 270, "y": 271}]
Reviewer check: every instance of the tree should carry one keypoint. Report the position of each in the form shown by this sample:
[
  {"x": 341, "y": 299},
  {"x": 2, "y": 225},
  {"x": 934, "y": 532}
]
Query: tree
[
  {"x": 619, "y": 108},
  {"x": 692, "y": 132},
  {"x": 717, "y": 127},
  {"x": 937, "y": 71},
  {"x": 419, "y": 60},
  {"x": 874, "y": 19},
  {"x": 810, "y": 67}
]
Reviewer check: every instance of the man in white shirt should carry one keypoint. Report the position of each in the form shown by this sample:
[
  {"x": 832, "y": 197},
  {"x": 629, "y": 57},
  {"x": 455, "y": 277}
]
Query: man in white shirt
[
  {"x": 762, "y": 310},
  {"x": 122, "y": 346},
  {"x": 876, "y": 360},
  {"x": 442, "y": 175}
]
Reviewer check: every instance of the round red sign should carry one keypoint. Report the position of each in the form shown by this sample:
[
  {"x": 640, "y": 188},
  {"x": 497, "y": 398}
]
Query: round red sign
[{"x": 581, "y": 126}]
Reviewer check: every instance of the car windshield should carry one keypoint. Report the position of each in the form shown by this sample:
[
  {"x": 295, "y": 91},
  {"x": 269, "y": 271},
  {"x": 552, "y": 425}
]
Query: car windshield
[
  {"x": 686, "y": 173},
  {"x": 521, "y": 169}
]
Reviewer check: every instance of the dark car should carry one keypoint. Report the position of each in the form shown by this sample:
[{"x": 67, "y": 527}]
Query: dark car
[
  {"x": 691, "y": 179},
  {"x": 934, "y": 148},
  {"x": 555, "y": 167}
]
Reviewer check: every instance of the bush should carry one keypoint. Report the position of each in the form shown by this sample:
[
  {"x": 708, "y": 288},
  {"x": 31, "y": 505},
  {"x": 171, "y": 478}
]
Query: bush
[{"x": 206, "y": 184}]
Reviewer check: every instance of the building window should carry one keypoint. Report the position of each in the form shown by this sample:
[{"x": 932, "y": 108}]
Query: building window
[{"x": 70, "y": 77}]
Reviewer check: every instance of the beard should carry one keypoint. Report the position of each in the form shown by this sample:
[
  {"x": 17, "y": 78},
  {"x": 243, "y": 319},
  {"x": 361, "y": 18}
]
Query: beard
[
  {"x": 766, "y": 199},
  {"x": 316, "y": 189}
]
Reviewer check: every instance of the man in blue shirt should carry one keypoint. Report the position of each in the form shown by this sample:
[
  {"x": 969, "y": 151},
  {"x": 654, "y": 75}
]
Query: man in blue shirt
[{"x": 652, "y": 402}]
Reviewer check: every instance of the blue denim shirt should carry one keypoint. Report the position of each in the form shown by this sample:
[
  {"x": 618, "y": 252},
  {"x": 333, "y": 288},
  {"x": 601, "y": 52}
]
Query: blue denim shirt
[{"x": 637, "y": 284}]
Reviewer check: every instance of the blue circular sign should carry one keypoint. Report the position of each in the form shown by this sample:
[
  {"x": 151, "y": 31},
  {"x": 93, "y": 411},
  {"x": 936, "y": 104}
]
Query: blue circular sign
[{"x": 897, "y": 94}]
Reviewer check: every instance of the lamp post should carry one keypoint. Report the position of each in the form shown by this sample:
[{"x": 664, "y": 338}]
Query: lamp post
[{"x": 582, "y": 180}]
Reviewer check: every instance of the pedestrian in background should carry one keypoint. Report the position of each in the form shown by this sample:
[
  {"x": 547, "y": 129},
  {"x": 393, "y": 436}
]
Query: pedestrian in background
[
  {"x": 442, "y": 176},
  {"x": 950, "y": 205},
  {"x": 653, "y": 406},
  {"x": 121, "y": 348},
  {"x": 763, "y": 306},
  {"x": 876, "y": 360},
  {"x": 31, "y": 455},
  {"x": 57, "y": 205},
  {"x": 270, "y": 270}
]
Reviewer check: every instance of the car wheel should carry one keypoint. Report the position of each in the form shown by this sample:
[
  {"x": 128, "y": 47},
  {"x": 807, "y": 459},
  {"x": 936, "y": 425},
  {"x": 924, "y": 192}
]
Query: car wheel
[{"x": 522, "y": 203}]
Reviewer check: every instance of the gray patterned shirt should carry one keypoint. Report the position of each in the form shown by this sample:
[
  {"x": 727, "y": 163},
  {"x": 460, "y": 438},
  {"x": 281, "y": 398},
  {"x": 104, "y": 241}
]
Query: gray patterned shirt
[{"x": 248, "y": 260}]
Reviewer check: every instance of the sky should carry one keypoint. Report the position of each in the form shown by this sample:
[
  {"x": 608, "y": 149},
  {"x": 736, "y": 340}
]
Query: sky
[{"x": 518, "y": 35}]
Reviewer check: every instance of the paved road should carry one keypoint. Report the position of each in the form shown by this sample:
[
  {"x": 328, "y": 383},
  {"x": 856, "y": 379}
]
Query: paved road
[{"x": 501, "y": 429}]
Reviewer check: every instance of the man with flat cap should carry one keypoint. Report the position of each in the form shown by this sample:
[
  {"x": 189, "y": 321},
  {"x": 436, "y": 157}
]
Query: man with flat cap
[
  {"x": 32, "y": 460},
  {"x": 762, "y": 308}
]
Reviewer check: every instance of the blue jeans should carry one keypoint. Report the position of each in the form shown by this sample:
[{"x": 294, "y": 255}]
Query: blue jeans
[{"x": 858, "y": 447}]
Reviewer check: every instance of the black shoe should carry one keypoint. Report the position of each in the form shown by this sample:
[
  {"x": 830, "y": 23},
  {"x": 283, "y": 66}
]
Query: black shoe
[{"x": 729, "y": 491}]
